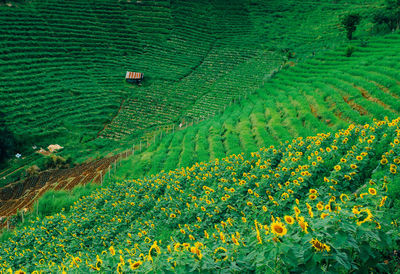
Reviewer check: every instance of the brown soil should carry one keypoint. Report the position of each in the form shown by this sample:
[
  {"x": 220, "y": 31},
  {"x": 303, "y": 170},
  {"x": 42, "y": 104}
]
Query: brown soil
[
  {"x": 355, "y": 106},
  {"x": 23, "y": 194},
  {"x": 368, "y": 96}
]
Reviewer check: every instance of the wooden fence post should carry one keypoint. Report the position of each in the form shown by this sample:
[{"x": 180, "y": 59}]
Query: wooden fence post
[{"x": 101, "y": 177}]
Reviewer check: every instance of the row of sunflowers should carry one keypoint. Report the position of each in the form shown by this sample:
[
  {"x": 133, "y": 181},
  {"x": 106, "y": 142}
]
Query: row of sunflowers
[{"x": 321, "y": 203}]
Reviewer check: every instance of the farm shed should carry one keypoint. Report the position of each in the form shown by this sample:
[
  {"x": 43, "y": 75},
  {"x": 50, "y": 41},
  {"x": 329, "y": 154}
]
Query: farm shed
[{"x": 133, "y": 77}]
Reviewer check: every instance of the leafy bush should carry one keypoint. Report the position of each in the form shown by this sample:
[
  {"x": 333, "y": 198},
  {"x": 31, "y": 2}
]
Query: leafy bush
[
  {"x": 350, "y": 22},
  {"x": 55, "y": 161},
  {"x": 389, "y": 16},
  {"x": 32, "y": 171},
  {"x": 349, "y": 50}
]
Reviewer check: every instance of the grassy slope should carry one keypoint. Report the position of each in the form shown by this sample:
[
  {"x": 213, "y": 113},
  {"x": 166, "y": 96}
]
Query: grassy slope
[
  {"x": 76, "y": 54},
  {"x": 324, "y": 93},
  {"x": 229, "y": 214}
]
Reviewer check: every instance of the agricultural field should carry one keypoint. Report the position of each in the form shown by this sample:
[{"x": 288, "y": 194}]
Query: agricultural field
[
  {"x": 196, "y": 56},
  {"x": 262, "y": 139},
  {"x": 321, "y": 203},
  {"x": 62, "y": 69},
  {"x": 21, "y": 195},
  {"x": 322, "y": 94}
]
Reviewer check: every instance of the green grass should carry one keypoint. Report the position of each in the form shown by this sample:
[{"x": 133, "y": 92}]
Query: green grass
[
  {"x": 63, "y": 63},
  {"x": 236, "y": 201},
  {"x": 314, "y": 96}
]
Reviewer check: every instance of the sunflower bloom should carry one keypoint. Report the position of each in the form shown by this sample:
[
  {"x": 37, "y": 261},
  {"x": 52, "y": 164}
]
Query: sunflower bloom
[
  {"x": 320, "y": 247},
  {"x": 289, "y": 220},
  {"x": 342, "y": 196},
  {"x": 312, "y": 196},
  {"x": 383, "y": 201},
  {"x": 296, "y": 211},
  {"x": 372, "y": 191},
  {"x": 303, "y": 224},
  {"x": 134, "y": 265},
  {"x": 278, "y": 228},
  {"x": 366, "y": 219},
  {"x": 324, "y": 215}
]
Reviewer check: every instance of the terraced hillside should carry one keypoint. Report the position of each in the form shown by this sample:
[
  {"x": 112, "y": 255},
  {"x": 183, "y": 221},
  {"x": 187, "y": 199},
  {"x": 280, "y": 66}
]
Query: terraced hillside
[
  {"x": 62, "y": 66},
  {"x": 320, "y": 203},
  {"x": 261, "y": 140},
  {"x": 63, "y": 63},
  {"x": 324, "y": 93},
  {"x": 22, "y": 195}
]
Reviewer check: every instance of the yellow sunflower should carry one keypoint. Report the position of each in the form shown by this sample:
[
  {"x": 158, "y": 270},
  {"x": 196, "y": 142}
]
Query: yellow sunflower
[
  {"x": 372, "y": 191},
  {"x": 289, "y": 220},
  {"x": 313, "y": 191},
  {"x": 303, "y": 224},
  {"x": 278, "y": 228},
  {"x": 312, "y": 197},
  {"x": 134, "y": 265},
  {"x": 320, "y": 247},
  {"x": 344, "y": 196},
  {"x": 112, "y": 250},
  {"x": 323, "y": 215},
  {"x": 296, "y": 210}
]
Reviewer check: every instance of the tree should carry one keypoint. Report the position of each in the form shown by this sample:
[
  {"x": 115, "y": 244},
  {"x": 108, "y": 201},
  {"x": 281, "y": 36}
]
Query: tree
[
  {"x": 389, "y": 16},
  {"x": 350, "y": 22},
  {"x": 7, "y": 140}
]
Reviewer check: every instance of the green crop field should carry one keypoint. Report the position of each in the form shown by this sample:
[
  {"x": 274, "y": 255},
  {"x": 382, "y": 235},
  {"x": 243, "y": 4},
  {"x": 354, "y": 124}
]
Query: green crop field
[
  {"x": 264, "y": 137},
  {"x": 314, "y": 96},
  {"x": 323, "y": 202}
]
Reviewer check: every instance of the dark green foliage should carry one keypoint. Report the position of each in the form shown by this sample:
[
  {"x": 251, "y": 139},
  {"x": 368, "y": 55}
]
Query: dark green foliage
[
  {"x": 349, "y": 50},
  {"x": 32, "y": 171},
  {"x": 350, "y": 22},
  {"x": 55, "y": 161},
  {"x": 7, "y": 143},
  {"x": 389, "y": 16}
]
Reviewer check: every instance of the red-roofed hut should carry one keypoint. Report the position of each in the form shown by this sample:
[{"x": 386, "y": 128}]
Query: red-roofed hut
[{"x": 133, "y": 77}]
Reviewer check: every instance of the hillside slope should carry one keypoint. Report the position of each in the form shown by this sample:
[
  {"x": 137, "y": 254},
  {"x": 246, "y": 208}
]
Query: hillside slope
[
  {"x": 63, "y": 63},
  {"x": 311, "y": 204},
  {"x": 321, "y": 94}
]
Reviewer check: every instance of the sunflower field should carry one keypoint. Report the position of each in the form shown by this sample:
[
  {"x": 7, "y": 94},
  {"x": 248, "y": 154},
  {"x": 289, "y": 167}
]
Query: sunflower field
[{"x": 320, "y": 203}]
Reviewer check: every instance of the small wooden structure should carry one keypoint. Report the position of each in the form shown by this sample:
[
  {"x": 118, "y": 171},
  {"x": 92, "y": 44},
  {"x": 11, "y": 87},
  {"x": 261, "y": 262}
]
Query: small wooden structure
[{"x": 134, "y": 77}]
